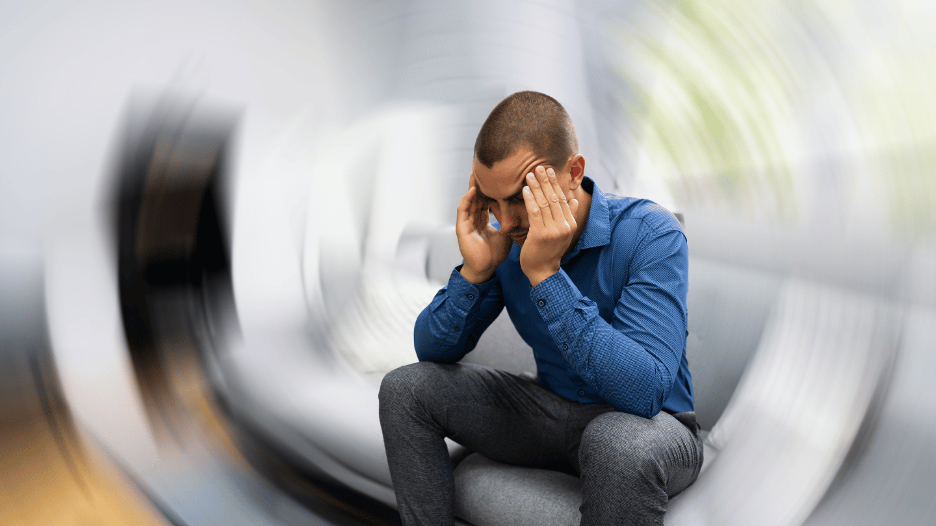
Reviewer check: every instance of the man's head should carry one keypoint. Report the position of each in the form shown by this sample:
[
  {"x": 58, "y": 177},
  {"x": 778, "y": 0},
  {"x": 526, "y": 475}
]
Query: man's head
[
  {"x": 531, "y": 119},
  {"x": 526, "y": 130}
]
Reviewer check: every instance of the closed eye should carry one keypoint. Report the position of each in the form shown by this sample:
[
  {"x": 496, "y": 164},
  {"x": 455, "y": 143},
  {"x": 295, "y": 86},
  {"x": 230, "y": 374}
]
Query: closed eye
[{"x": 517, "y": 198}]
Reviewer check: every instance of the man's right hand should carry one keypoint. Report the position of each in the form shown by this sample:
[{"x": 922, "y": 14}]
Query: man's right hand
[{"x": 482, "y": 246}]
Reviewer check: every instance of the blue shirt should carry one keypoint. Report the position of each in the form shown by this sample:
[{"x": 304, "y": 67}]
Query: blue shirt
[{"x": 609, "y": 326}]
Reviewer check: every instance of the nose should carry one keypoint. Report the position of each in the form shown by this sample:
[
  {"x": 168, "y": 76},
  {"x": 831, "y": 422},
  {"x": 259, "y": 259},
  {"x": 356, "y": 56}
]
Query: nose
[{"x": 508, "y": 216}]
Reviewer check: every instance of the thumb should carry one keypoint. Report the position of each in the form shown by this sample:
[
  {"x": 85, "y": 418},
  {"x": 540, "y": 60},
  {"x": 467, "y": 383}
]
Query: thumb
[{"x": 573, "y": 207}]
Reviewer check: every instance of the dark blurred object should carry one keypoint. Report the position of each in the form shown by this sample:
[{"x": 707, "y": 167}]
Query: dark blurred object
[
  {"x": 173, "y": 246},
  {"x": 172, "y": 228}
]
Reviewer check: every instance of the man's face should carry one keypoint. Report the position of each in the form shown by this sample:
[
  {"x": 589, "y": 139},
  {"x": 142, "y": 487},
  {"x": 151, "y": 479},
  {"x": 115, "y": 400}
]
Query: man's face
[{"x": 500, "y": 188}]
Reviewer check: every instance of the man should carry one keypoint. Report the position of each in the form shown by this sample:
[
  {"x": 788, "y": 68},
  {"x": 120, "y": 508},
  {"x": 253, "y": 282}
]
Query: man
[{"x": 596, "y": 285}]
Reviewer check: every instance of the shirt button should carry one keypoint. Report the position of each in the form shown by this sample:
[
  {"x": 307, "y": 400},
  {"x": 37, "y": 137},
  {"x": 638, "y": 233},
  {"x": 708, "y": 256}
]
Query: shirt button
[
  {"x": 564, "y": 346},
  {"x": 471, "y": 296},
  {"x": 541, "y": 303},
  {"x": 581, "y": 392}
]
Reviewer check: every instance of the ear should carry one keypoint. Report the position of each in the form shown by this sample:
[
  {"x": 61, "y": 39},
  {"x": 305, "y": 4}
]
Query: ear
[{"x": 577, "y": 170}]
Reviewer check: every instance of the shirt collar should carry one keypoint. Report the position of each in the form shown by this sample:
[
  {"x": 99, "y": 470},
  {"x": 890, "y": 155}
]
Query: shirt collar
[{"x": 597, "y": 230}]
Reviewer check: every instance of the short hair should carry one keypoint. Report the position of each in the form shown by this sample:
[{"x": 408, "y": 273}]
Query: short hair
[{"x": 531, "y": 119}]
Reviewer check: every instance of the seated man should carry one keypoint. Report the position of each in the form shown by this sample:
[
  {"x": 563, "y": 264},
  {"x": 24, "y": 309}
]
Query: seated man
[{"x": 596, "y": 285}]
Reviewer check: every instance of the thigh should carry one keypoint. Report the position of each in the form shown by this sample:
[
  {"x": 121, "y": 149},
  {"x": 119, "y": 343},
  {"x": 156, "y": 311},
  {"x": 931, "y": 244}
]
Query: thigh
[{"x": 503, "y": 416}]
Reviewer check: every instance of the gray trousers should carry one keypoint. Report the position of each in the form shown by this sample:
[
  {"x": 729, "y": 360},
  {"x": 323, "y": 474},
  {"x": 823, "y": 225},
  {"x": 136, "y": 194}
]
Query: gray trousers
[{"x": 629, "y": 465}]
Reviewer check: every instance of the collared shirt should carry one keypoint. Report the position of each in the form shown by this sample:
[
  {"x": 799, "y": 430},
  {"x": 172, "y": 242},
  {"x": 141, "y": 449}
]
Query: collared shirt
[{"x": 609, "y": 326}]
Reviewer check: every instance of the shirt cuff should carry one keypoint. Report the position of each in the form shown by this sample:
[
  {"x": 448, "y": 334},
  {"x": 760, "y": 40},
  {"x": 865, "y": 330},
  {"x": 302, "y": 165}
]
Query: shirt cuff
[
  {"x": 555, "y": 296},
  {"x": 464, "y": 294}
]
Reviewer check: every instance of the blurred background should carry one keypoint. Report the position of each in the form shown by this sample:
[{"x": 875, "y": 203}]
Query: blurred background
[{"x": 219, "y": 220}]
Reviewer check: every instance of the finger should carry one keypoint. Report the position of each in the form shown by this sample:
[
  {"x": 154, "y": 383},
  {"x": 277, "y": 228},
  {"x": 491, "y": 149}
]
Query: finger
[
  {"x": 534, "y": 215},
  {"x": 563, "y": 206},
  {"x": 480, "y": 210},
  {"x": 466, "y": 206},
  {"x": 554, "y": 182},
  {"x": 539, "y": 197},
  {"x": 555, "y": 212},
  {"x": 482, "y": 216}
]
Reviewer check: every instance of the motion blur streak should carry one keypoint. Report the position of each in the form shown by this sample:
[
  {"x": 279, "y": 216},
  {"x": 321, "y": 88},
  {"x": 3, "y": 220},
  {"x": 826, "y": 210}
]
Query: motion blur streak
[
  {"x": 221, "y": 367},
  {"x": 49, "y": 474}
]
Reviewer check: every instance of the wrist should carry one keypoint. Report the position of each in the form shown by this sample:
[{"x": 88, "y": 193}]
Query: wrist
[
  {"x": 475, "y": 277},
  {"x": 539, "y": 275}
]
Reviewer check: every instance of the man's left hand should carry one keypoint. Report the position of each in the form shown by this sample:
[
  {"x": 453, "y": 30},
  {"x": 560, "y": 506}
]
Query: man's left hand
[{"x": 552, "y": 225}]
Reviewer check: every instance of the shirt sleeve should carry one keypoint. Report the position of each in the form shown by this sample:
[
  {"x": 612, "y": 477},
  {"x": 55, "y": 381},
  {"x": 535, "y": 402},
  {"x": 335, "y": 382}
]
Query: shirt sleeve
[
  {"x": 633, "y": 359},
  {"x": 450, "y": 326}
]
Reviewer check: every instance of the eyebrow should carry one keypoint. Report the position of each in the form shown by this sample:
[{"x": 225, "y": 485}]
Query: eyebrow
[{"x": 516, "y": 196}]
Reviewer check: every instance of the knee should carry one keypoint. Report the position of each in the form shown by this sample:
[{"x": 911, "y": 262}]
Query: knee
[
  {"x": 619, "y": 443},
  {"x": 406, "y": 384}
]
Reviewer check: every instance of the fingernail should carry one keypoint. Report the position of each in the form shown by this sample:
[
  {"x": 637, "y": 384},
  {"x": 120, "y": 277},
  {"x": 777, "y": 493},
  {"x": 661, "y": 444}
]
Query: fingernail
[{"x": 531, "y": 176}]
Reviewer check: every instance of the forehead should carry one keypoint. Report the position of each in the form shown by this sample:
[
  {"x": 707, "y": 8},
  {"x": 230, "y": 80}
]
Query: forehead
[{"x": 506, "y": 177}]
